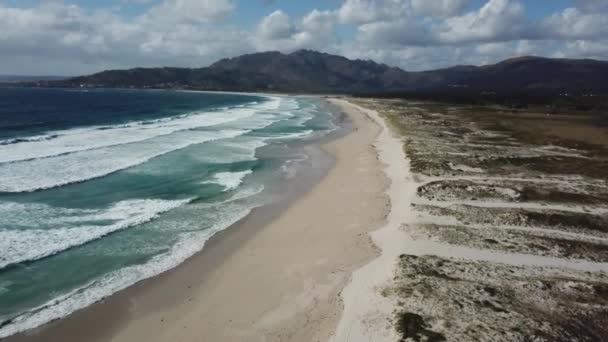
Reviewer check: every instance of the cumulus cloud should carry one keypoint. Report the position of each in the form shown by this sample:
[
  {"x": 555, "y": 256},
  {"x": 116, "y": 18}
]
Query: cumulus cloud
[
  {"x": 367, "y": 11},
  {"x": 428, "y": 34},
  {"x": 54, "y": 37},
  {"x": 276, "y": 25},
  {"x": 397, "y": 33},
  {"x": 73, "y": 40},
  {"x": 497, "y": 20},
  {"x": 136, "y": 1},
  {"x": 178, "y": 11},
  {"x": 573, "y": 23},
  {"x": 442, "y": 8},
  {"x": 314, "y": 31},
  {"x": 592, "y": 5}
]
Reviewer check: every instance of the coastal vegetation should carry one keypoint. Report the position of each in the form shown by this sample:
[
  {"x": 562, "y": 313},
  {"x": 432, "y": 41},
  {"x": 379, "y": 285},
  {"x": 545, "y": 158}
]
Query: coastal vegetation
[{"x": 511, "y": 220}]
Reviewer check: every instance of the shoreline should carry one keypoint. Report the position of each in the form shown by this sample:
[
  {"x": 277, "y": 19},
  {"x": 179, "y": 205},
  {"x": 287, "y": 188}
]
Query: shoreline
[
  {"x": 367, "y": 311},
  {"x": 275, "y": 275},
  {"x": 481, "y": 253}
]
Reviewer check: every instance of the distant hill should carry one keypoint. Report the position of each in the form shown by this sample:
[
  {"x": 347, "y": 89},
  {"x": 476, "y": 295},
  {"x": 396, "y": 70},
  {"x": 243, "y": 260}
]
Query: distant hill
[
  {"x": 308, "y": 71},
  {"x": 302, "y": 71},
  {"x": 530, "y": 73},
  {"x": 22, "y": 78}
]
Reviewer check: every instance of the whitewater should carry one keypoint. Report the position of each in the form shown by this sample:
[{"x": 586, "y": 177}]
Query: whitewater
[{"x": 103, "y": 189}]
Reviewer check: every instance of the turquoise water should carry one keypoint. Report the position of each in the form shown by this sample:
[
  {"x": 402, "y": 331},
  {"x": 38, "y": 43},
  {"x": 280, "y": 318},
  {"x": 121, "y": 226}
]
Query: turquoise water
[{"x": 128, "y": 184}]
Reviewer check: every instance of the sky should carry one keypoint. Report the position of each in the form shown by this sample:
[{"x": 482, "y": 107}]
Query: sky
[{"x": 74, "y": 37}]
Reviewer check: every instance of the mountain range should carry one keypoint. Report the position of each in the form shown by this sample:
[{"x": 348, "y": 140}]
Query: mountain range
[
  {"x": 307, "y": 71},
  {"x": 29, "y": 78}
]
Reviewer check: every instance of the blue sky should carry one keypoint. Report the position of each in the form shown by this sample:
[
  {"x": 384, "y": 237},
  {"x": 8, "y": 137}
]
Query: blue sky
[
  {"x": 251, "y": 11},
  {"x": 68, "y": 37}
]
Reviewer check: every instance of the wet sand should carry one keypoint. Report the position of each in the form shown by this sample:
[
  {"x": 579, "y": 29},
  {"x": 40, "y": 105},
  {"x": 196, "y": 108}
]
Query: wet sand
[{"x": 275, "y": 276}]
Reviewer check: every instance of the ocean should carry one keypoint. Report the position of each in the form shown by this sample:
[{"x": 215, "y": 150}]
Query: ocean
[{"x": 100, "y": 189}]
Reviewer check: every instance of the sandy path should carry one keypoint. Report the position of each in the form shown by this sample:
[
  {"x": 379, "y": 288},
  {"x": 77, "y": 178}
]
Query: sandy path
[{"x": 571, "y": 208}]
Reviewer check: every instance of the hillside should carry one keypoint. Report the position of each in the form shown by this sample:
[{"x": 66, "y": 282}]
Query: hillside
[
  {"x": 311, "y": 71},
  {"x": 28, "y": 78}
]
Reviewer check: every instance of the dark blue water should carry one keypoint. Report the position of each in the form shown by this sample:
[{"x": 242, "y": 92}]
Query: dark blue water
[
  {"x": 104, "y": 188},
  {"x": 27, "y": 112}
]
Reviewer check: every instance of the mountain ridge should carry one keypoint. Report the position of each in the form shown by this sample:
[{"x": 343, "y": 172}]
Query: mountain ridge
[
  {"x": 316, "y": 72},
  {"x": 31, "y": 78}
]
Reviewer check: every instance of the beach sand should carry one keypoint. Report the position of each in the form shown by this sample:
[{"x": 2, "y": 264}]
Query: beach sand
[
  {"x": 281, "y": 281},
  {"x": 367, "y": 312}
]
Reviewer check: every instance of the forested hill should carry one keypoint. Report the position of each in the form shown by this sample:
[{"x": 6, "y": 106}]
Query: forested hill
[{"x": 308, "y": 71}]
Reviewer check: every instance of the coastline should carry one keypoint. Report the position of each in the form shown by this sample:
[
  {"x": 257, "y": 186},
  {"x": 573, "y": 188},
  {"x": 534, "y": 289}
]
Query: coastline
[
  {"x": 467, "y": 253},
  {"x": 367, "y": 311},
  {"x": 275, "y": 275}
]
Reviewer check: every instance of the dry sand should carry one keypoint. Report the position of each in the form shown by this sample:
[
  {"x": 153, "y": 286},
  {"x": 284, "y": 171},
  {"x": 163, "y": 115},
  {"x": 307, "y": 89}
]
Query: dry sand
[
  {"x": 367, "y": 313},
  {"x": 279, "y": 283}
]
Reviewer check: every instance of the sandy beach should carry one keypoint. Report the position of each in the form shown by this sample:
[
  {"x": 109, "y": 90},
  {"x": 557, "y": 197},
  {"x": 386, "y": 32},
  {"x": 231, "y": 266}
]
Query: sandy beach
[
  {"x": 280, "y": 281},
  {"x": 367, "y": 312},
  {"x": 352, "y": 252}
]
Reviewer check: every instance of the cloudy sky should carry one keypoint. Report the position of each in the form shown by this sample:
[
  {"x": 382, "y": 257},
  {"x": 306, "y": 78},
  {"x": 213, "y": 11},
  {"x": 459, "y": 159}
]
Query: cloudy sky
[{"x": 69, "y": 37}]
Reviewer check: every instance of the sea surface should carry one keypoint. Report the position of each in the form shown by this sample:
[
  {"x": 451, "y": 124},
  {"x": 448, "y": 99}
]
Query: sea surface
[{"x": 100, "y": 189}]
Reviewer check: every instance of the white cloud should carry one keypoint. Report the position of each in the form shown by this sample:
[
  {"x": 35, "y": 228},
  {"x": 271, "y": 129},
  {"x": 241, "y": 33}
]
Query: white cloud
[
  {"x": 574, "y": 24},
  {"x": 314, "y": 31},
  {"x": 359, "y": 12},
  {"x": 367, "y": 11},
  {"x": 73, "y": 40},
  {"x": 191, "y": 10},
  {"x": 497, "y": 20},
  {"x": 55, "y": 37},
  {"x": 592, "y": 5},
  {"x": 584, "y": 49},
  {"x": 276, "y": 25},
  {"x": 442, "y": 8},
  {"x": 400, "y": 32},
  {"x": 322, "y": 21},
  {"x": 136, "y": 1}
]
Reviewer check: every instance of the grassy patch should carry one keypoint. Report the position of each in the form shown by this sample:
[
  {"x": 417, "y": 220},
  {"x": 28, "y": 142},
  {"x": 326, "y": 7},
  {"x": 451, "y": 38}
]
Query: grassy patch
[{"x": 412, "y": 327}]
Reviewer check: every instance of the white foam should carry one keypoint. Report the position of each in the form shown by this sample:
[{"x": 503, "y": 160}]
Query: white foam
[
  {"x": 80, "y": 166},
  {"x": 82, "y": 139},
  {"x": 289, "y": 136},
  {"x": 245, "y": 193},
  {"x": 242, "y": 150},
  {"x": 38, "y": 215},
  {"x": 230, "y": 180},
  {"x": 74, "y": 165},
  {"x": 189, "y": 243},
  {"x": 261, "y": 119},
  {"x": 290, "y": 167},
  {"x": 23, "y": 174},
  {"x": 4, "y": 286},
  {"x": 19, "y": 245},
  {"x": 60, "y": 167},
  {"x": 303, "y": 118},
  {"x": 43, "y": 137}
]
